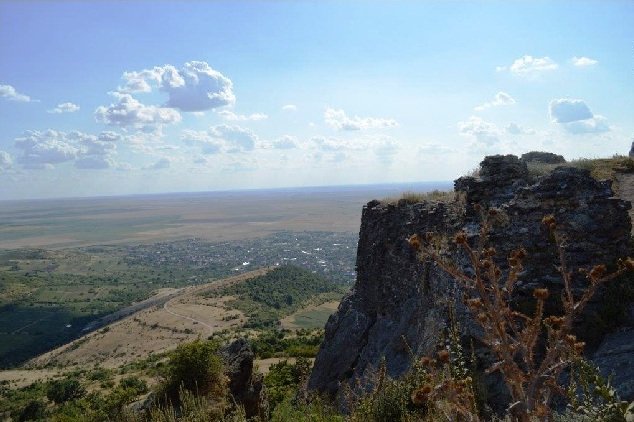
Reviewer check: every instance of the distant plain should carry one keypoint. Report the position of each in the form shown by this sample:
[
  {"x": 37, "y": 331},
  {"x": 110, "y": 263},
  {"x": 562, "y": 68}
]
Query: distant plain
[{"x": 213, "y": 216}]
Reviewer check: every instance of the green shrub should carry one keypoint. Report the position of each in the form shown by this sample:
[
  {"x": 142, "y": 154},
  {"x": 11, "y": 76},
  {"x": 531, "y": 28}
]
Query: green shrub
[
  {"x": 61, "y": 391},
  {"x": 195, "y": 367},
  {"x": 315, "y": 411},
  {"x": 284, "y": 379},
  {"x": 33, "y": 411}
]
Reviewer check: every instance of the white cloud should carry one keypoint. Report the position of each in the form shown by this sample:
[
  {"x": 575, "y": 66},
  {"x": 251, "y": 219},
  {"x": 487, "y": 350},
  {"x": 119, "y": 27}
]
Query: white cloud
[
  {"x": 8, "y": 92},
  {"x": 285, "y": 142},
  {"x": 221, "y": 138},
  {"x": 595, "y": 124},
  {"x": 332, "y": 144},
  {"x": 339, "y": 120},
  {"x": 583, "y": 61},
  {"x": 95, "y": 162},
  {"x": 238, "y": 138},
  {"x": 231, "y": 116},
  {"x": 161, "y": 164},
  {"x": 40, "y": 149},
  {"x": 515, "y": 129},
  {"x": 47, "y": 148},
  {"x": 566, "y": 110},
  {"x": 194, "y": 87},
  {"x": 129, "y": 112},
  {"x": 64, "y": 108},
  {"x": 576, "y": 117},
  {"x": 484, "y": 132},
  {"x": 6, "y": 162},
  {"x": 530, "y": 66},
  {"x": 289, "y": 107},
  {"x": 337, "y": 150},
  {"x": 500, "y": 99}
]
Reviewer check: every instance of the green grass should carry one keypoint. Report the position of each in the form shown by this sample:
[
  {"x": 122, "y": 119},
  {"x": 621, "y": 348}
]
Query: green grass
[{"x": 314, "y": 318}]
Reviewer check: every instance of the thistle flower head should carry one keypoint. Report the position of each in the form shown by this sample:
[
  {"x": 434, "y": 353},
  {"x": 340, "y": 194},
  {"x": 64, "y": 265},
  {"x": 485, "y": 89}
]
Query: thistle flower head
[
  {"x": 541, "y": 293},
  {"x": 421, "y": 395},
  {"x": 461, "y": 238},
  {"x": 548, "y": 220},
  {"x": 414, "y": 242},
  {"x": 598, "y": 271},
  {"x": 443, "y": 356}
]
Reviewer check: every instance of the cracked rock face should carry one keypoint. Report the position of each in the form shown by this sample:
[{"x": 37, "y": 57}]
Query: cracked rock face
[{"x": 397, "y": 309}]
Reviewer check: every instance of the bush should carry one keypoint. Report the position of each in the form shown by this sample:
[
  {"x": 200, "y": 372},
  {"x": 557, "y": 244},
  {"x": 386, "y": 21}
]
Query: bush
[
  {"x": 33, "y": 411},
  {"x": 284, "y": 379},
  {"x": 61, "y": 391},
  {"x": 195, "y": 367}
]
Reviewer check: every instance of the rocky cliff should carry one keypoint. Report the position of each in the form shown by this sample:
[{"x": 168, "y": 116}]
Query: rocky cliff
[{"x": 397, "y": 309}]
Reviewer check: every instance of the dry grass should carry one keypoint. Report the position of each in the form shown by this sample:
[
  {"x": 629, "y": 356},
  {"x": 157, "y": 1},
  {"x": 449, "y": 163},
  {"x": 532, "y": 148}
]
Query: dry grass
[
  {"x": 600, "y": 168},
  {"x": 411, "y": 197},
  {"x": 154, "y": 330}
]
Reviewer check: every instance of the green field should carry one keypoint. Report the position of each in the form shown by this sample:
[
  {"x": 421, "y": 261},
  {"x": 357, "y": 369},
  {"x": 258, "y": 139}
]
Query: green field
[{"x": 312, "y": 318}]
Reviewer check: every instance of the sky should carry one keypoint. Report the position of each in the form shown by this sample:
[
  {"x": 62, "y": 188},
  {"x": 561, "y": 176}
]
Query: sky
[{"x": 114, "y": 98}]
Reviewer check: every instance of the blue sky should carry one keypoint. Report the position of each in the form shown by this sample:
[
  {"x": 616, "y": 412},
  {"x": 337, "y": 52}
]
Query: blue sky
[{"x": 104, "y": 98}]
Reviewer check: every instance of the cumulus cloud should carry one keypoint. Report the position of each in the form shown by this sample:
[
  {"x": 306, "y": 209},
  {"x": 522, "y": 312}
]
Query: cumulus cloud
[
  {"x": 596, "y": 124},
  {"x": 10, "y": 93},
  {"x": 194, "y": 87},
  {"x": 336, "y": 149},
  {"x": 47, "y": 148},
  {"x": 95, "y": 162},
  {"x": 500, "y": 99},
  {"x": 238, "y": 138},
  {"x": 64, "y": 108},
  {"x": 484, "y": 132},
  {"x": 161, "y": 164},
  {"x": 6, "y": 162},
  {"x": 339, "y": 120},
  {"x": 569, "y": 110},
  {"x": 221, "y": 138},
  {"x": 331, "y": 144},
  {"x": 231, "y": 116},
  {"x": 576, "y": 117},
  {"x": 40, "y": 149},
  {"x": 129, "y": 112},
  {"x": 285, "y": 142},
  {"x": 515, "y": 129},
  {"x": 289, "y": 107},
  {"x": 583, "y": 61},
  {"x": 529, "y": 66}
]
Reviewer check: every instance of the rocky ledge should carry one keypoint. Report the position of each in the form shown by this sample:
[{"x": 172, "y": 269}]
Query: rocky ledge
[{"x": 397, "y": 308}]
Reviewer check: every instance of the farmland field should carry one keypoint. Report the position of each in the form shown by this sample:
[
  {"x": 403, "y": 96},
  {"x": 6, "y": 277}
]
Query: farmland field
[{"x": 69, "y": 266}]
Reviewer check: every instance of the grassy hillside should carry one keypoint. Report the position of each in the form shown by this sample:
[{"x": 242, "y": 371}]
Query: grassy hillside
[{"x": 267, "y": 298}]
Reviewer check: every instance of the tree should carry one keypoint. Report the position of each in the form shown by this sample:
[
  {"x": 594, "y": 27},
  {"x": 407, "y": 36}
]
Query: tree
[{"x": 61, "y": 391}]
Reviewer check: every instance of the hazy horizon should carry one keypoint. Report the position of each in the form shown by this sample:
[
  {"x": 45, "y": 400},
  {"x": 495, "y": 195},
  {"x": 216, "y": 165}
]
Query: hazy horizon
[
  {"x": 100, "y": 98},
  {"x": 397, "y": 187}
]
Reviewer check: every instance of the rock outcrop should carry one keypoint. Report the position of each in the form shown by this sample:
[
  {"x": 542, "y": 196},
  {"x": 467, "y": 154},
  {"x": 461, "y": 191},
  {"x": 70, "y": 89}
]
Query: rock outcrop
[
  {"x": 245, "y": 386},
  {"x": 543, "y": 157},
  {"x": 397, "y": 308}
]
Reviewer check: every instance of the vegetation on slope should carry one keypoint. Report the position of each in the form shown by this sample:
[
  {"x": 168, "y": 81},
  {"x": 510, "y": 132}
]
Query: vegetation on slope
[{"x": 282, "y": 291}]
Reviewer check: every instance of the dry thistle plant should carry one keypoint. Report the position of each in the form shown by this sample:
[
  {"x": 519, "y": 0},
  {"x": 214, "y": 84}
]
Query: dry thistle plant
[{"x": 512, "y": 336}]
